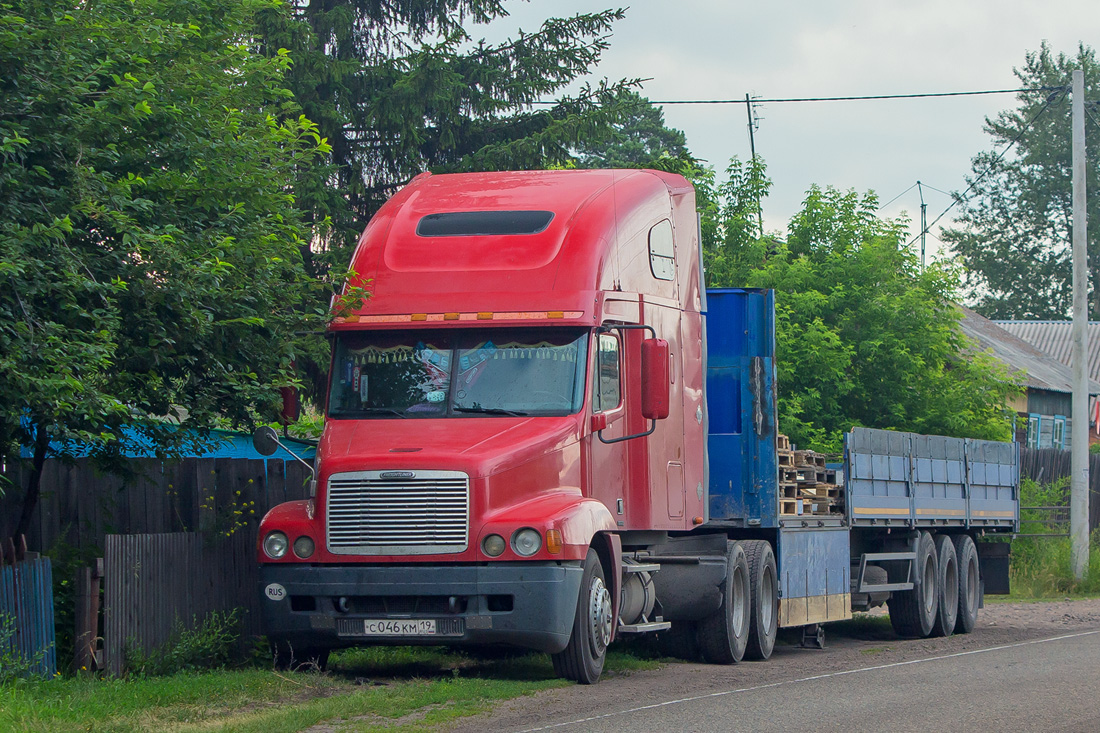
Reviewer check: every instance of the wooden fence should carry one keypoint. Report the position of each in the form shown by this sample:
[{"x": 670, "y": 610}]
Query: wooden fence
[
  {"x": 1047, "y": 465},
  {"x": 156, "y": 583},
  {"x": 80, "y": 506},
  {"x": 196, "y": 523},
  {"x": 26, "y": 616}
]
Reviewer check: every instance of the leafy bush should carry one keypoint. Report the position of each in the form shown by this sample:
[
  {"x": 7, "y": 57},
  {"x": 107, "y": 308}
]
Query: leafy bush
[
  {"x": 211, "y": 644},
  {"x": 1042, "y": 567}
]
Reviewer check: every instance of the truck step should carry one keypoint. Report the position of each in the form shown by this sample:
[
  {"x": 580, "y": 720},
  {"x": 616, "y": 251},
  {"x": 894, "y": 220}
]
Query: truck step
[
  {"x": 862, "y": 586},
  {"x": 639, "y": 568},
  {"x": 645, "y": 628}
]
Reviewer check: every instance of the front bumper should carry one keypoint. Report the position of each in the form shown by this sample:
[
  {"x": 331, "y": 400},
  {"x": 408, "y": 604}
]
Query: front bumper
[{"x": 529, "y": 605}]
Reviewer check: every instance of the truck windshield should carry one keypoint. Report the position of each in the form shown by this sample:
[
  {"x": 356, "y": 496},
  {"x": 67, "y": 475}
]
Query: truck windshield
[{"x": 459, "y": 373}]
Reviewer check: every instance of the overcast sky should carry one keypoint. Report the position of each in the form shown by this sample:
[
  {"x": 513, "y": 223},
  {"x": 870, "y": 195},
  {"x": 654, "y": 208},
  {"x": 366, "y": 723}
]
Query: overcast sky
[{"x": 718, "y": 49}]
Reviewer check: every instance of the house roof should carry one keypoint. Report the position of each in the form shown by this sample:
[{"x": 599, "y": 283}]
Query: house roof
[
  {"x": 1043, "y": 371},
  {"x": 1056, "y": 339}
]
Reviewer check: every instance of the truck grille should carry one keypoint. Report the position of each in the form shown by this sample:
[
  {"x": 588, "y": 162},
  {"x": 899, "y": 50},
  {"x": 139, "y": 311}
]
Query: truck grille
[{"x": 398, "y": 512}]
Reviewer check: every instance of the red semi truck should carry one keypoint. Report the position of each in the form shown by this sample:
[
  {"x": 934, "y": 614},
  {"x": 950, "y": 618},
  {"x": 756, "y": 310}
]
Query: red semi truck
[{"x": 542, "y": 432}]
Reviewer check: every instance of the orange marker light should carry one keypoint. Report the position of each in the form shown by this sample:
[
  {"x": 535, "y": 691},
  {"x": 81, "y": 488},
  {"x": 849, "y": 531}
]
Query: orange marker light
[
  {"x": 553, "y": 541},
  {"x": 696, "y": 520}
]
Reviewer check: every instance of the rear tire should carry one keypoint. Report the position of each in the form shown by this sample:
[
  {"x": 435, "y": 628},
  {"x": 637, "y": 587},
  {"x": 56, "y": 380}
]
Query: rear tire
[
  {"x": 724, "y": 635},
  {"x": 912, "y": 612},
  {"x": 763, "y": 599},
  {"x": 583, "y": 658},
  {"x": 947, "y": 606},
  {"x": 970, "y": 583}
]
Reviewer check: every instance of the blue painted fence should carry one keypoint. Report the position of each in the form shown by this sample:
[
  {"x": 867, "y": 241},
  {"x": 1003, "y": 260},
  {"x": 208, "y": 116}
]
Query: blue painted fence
[{"x": 26, "y": 616}]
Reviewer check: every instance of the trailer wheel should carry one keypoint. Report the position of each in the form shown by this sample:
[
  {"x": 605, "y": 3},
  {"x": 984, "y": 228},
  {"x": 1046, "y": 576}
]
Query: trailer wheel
[
  {"x": 724, "y": 634},
  {"x": 966, "y": 556},
  {"x": 763, "y": 599},
  {"x": 912, "y": 612},
  {"x": 583, "y": 658},
  {"x": 947, "y": 607}
]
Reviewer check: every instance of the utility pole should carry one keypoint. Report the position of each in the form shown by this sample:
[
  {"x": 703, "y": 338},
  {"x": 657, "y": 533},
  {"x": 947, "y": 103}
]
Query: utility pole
[
  {"x": 923, "y": 223},
  {"x": 752, "y": 149},
  {"x": 1079, "y": 456}
]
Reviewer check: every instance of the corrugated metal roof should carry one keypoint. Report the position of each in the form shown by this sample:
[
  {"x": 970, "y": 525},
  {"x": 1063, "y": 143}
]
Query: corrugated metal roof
[
  {"x": 1043, "y": 370},
  {"x": 1056, "y": 338}
]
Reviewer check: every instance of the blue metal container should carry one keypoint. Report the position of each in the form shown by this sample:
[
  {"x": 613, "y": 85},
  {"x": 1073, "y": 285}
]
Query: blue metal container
[{"x": 741, "y": 407}]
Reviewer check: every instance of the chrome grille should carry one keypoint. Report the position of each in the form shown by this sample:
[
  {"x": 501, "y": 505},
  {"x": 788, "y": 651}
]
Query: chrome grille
[{"x": 398, "y": 512}]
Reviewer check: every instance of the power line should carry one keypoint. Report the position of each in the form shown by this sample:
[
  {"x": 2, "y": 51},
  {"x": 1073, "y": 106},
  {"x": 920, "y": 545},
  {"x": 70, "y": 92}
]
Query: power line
[
  {"x": 897, "y": 197},
  {"x": 859, "y": 98},
  {"x": 960, "y": 197}
]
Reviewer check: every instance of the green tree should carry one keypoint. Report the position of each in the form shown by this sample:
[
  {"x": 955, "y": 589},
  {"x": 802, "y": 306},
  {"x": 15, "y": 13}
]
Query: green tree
[
  {"x": 150, "y": 260},
  {"x": 639, "y": 140},
  {"x": 864, "y": 336},
  {"x": 401, "y": 87},
  {"x": 1015, "y": 227}
]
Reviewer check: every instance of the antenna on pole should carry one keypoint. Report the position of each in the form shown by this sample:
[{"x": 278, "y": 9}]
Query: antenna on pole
[
  {"x": 923, "y": 223},
  {"x": 754, "y": 124}
]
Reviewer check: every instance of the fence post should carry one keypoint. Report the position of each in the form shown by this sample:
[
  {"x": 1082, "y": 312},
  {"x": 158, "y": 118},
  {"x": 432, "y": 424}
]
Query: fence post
[{"x": 87, "y": 637}]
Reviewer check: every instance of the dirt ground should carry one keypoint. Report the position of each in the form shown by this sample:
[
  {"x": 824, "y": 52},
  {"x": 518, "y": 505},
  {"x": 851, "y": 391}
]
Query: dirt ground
[{"x": 849, "y": 645}]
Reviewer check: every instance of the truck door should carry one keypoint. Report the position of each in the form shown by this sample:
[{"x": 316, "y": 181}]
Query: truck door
[{"x": 607, "y": 461}]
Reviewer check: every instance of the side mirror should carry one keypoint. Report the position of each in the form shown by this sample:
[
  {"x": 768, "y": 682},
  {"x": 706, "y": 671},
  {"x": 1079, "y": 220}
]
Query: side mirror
[
  {"x": 291, "y": 408},
  {"x": 655, "y": 379},
  {"x": 265, "y": 440}
]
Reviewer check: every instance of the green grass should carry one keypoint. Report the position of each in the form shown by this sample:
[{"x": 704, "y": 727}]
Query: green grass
[
  {"x": 382, "y": 688},
  {"x": 1041, "y": 569}
]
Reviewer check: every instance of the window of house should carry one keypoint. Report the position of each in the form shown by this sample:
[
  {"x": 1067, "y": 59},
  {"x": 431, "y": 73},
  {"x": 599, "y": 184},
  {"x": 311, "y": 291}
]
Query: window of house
[
  {"x": 1032, "y": 431},
  {"x": 1058, "y": 437}
]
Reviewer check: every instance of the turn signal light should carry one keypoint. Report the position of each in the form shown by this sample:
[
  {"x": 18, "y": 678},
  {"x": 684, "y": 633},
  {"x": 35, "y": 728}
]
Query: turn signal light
[{"x": 553, "y": 541}]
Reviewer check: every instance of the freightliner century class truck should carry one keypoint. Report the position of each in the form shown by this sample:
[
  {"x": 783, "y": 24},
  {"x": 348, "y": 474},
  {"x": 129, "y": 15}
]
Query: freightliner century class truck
[{"x": 542, "y": 432}]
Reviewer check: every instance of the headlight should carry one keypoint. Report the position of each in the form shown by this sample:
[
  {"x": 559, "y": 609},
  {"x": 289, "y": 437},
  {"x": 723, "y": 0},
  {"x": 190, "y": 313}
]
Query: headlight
[
  {"x": 526, "y": 542},
  {"x": 303, "y": 547},
  {"x": 493, "y": 545},
  {"x": 275, "y": 545}
]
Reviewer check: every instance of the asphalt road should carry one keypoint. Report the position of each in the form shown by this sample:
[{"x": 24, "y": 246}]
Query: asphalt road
[
  {"x": 1026, "y": 667},
  {"x": 1038, "y": 685}
]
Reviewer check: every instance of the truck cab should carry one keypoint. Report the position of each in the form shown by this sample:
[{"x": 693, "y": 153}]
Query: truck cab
[{"x": 522, "y": 390}]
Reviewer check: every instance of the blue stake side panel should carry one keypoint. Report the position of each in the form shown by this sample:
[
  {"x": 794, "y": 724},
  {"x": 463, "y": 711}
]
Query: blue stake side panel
[
  {"x": 741, "y": 406},
  {"x": 814, "y": 575},
  {"x": 920, "y": 480}
]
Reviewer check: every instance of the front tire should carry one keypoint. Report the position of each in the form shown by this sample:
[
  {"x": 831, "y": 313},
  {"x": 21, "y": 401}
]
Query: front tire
[
  {"x": 763, "y": 599},
  {"x": 724, "y": 635},
  {"x": 912, "y": 612},
  {"x": 583, "y": 658}
]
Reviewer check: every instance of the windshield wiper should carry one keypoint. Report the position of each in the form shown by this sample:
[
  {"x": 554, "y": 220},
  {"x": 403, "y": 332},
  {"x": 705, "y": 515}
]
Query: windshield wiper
[
  {"x": 390, "y": 410},
  {"x": 490, "y": 411}
]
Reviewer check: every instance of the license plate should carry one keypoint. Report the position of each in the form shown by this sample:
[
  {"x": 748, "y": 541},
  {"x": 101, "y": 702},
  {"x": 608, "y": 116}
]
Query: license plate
[{"x": 399, "y": 627}]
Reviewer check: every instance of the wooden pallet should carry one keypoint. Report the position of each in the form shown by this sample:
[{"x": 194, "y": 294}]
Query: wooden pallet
[
  {"x": 782, "y": 442},
  {"x": 809, "y": 458}
]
